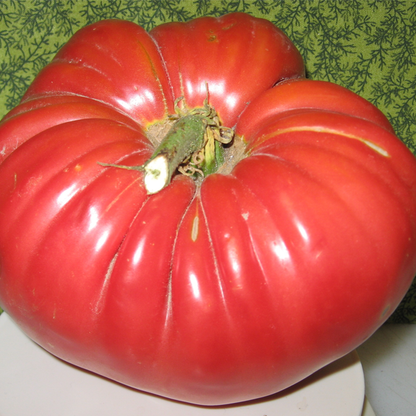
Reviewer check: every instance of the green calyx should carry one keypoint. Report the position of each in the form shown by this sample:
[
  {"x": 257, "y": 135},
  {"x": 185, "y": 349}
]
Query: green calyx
[{"x": 193, "y": 146}]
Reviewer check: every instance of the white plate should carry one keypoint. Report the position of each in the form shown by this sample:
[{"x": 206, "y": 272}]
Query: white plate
[{"x": 33, "y": 382}]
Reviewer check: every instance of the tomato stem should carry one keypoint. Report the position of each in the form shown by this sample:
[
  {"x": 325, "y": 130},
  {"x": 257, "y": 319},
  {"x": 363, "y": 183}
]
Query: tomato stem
[{"x": 184, "y": 139}]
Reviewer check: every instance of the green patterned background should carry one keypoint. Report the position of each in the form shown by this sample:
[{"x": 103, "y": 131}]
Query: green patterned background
[{"x": 367, "y": 46}]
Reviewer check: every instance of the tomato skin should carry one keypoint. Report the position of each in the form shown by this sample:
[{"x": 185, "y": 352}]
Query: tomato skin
[
  {"x": 301, "y": 95},
  {"x": 215, "y": 293},
  {"x": 34, "y": 116},
  {"x": 225, "y": 41},
  {"x": 119, "y": 64}
]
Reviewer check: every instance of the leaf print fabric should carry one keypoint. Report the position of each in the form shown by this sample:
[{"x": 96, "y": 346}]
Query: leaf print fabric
[{"x": 366, "y": 46}]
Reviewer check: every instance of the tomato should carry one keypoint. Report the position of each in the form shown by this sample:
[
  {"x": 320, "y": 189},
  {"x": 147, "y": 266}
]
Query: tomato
[{"x": 238, "y": 277}]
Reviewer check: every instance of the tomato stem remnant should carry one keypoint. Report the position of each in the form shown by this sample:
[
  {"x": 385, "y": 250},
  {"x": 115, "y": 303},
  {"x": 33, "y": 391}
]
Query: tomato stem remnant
[{"x": 192, "y": 146}]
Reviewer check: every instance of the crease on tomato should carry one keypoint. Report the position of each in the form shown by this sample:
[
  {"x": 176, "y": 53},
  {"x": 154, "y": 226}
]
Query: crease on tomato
[
  {"x": 99, "y": 305},
  {"x": 155, "y": 74},
  {"x": 192, "y": 220},
  {"x": 264, "y": 138},
  {"x": 168, "y": 304},
  {"x": 212, "y": 251}
]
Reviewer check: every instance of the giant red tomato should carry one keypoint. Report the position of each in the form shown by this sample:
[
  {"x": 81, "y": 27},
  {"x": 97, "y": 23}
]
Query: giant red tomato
[{"x": 269, "y": 256}]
